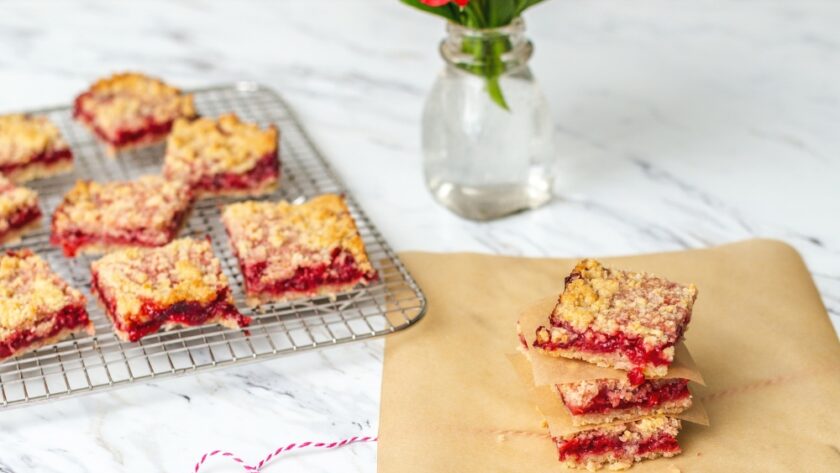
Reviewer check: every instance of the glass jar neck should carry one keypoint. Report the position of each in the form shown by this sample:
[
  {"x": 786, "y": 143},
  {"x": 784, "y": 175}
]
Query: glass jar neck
[{"x": 488, "y": 52}]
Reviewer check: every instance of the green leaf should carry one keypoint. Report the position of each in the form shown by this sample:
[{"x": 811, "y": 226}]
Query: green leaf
[
  {"x": 499, "y": 12},
  {"x": 444, "y": 11},
  {"x": 526, "y": 4},
  {"x": 494, "y": 89}
]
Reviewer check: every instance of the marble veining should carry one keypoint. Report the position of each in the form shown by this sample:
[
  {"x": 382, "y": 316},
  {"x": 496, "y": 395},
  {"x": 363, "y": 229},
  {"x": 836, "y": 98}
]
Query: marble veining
[{"x": 679, "y": 126}]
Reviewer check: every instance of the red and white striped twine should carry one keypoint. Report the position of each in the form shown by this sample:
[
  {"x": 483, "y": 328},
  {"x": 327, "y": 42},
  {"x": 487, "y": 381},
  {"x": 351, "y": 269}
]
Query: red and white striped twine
[{"x": 291, "y": 446}]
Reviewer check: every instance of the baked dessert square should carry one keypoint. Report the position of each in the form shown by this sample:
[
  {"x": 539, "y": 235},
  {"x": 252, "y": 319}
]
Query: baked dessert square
[
  {"x": 601, "y": 401},
  {"x": 288, "y": 251},
  {"x": 131, "y": 110},
  {"x": 618, "y": 319},
  {"x": 19, "y": 211},
  {"x": 619, "y": 446},
  {"x": 37, "y": 307},
  {"x": 32, "y": 147},
  {"x": 180, "y": 284},
  {"x": 96, "y": 217},
  {"x": 223, "y": 157}
]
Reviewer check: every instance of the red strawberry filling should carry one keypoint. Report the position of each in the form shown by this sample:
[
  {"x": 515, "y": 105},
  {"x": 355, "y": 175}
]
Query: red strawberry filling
[
  {"x": 265, "y": 170},
  {"x": 342, "y": 269},
  {"x": 22, "y": 217},
  {"x": 597, "y": 342},
  {"x": 46, "y": 158},
  {"x": 578, "y": 448},
  {"x": 659, "y": 443},
  {"x": 189, "y": 313},
  {"x": 150, "y": 129},
  {"x": 70, "y": 317},
  {"x": 649, "y": 394},
  {"x": 71, "y": 241}
]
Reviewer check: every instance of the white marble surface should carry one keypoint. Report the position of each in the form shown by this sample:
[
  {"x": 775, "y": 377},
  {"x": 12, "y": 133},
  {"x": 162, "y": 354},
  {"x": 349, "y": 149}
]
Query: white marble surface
[{"x": 680, "y": 125}]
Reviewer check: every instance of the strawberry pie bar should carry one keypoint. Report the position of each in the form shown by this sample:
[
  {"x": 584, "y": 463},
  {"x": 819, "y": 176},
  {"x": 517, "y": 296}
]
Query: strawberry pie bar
[
  {"x": 223, "y": 157},
  {"x": 601, "y": 401},
  {"x": 619, "y": 446},
  {"x": 180, "y": 284},
  {"x": 618, "y": 319},
  {"x": 288, "y": 251},
  {"x": 31, "y": 148},
  {"x": 19, "y": 210},
  {"x": 96, "y": 217},
  {"x": 131, "y": 110},
  {"x": 37, "y": 308}
]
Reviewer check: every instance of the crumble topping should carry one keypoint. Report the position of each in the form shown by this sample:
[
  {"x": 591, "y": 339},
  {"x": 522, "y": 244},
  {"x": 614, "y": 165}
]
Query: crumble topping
[
  {"x": 657, "y": 424},
  {"x": 30, "y": 291},
  {"x": 184, "y": 270},
  {"x": 632, "y": 432},
  {"x": 100, "y": 208},
  {"x": 208, "y": 147},
  {"x": 286, "y": 236},
  {"x": 128, "y": 101},
  {"x": 608, "y": 301},
  {"x": 13, "y": 199},
  {"x": 24, "y": 137},
  {"x": 582, "y": 393}
]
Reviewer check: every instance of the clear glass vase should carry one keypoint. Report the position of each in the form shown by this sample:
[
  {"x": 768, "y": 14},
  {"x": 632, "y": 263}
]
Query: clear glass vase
[{"x": 488, "y": 137}]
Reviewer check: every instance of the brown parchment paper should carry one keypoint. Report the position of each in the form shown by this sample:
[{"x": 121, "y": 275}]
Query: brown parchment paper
[
  {"x": 760, "y": 336},
  {"x": 559, "y": 420},
  {"x": 550, "y": 370}
]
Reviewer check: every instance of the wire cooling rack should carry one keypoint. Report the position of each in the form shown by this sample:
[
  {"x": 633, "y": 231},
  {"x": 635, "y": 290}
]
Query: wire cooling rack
[{"x": 91, "y": 364}]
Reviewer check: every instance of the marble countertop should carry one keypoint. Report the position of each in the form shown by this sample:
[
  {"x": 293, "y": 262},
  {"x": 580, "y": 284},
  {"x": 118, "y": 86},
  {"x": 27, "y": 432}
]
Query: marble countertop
[{"x": 679, "y": 126}]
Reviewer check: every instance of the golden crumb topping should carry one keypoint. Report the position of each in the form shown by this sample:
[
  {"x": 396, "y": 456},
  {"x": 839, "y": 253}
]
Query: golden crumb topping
[
  {"x": 24, "y": 137},
  {"x": 145, "y": 204},
  {"x": 633, "y": 432},
  {"x": 185, "y": 270},
  {"x": 610, "y": 301},
  {"x": 207, "y": 147},
  {"x": 129, "y": 101},
  {"x": 286, "y": 236},
  {"x": 656, "y": 424},
  {"x": 583, "y": 392},
  {"x": 30, "y": 291}
]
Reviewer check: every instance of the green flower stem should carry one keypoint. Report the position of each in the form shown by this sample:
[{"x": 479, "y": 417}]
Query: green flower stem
[
  {"x": 495, "y": 91},
  {"x": 488, "y": 63},
  {"x": 476, "y": 19}
]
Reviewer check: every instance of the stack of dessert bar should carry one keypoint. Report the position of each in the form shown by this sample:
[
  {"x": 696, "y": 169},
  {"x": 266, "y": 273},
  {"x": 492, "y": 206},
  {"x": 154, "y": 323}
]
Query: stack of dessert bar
[{"x": 608, "y": 348}]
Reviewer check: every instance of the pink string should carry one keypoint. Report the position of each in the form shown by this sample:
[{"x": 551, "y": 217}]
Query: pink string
[{"x": 274, "y": 454}]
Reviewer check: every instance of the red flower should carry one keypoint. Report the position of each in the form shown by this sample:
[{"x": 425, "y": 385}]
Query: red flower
[{"x": 440, "y": 3}]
